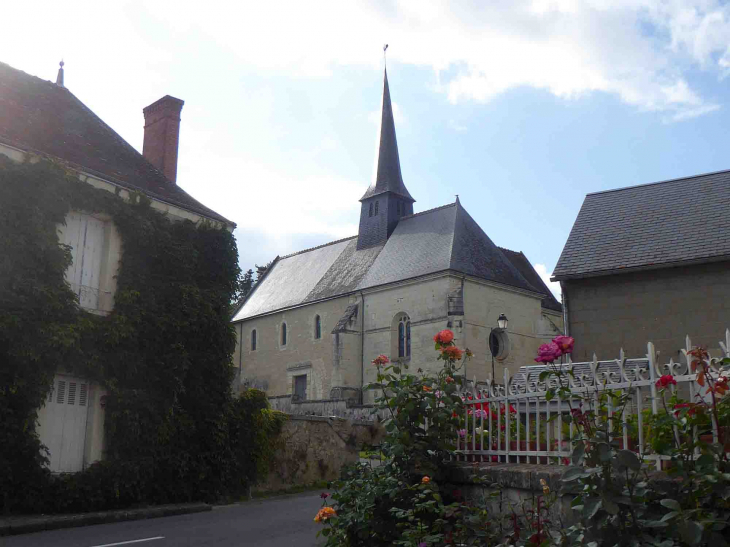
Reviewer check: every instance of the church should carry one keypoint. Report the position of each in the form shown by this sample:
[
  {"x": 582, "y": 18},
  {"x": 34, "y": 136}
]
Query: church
[{"x": 312, "y": 325}]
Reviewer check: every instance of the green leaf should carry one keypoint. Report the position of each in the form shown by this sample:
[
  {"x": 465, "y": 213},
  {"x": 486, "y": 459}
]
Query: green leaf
[
  {"x": 671, "y": 504},
  {"x": 591, "y": 507},
  {"x": 544, "y": 374},
  {"x": 690, "y": 532},
  {"x": 609, "y": 505},
  {"x": 627, "y": 458},
  {"x": 604, "y": 452},
  {"x": 669, "y": 516},
  {"x": 567, "y": 419},
  {"x": 550, "y": 394},
  {"x": 572, "y": 473},
  {"x": 578, "y": 453}
]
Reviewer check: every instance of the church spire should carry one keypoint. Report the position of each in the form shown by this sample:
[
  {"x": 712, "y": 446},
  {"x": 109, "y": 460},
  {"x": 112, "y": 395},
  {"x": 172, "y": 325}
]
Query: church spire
[
  {"x": 59, "y": 78},
  {"x": 387, "y": 200},
  {"x": 388, "y": 176}
]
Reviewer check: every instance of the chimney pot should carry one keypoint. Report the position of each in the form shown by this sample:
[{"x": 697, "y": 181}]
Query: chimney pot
[{"x": 162, "y": 133}]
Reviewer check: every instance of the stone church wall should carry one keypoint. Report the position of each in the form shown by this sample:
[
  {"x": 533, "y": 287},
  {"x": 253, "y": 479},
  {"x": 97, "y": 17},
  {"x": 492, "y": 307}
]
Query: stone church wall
[
  {"x": 425, "y": 303},
  {"x": 526, "y": 330},
  {"x": 332, "y": 360}
]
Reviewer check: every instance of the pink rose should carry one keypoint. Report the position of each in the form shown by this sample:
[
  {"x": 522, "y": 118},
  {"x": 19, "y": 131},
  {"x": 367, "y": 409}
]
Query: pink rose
[
  {"x": 548, "y": 353},
  {"x": 565, "y": 343}
]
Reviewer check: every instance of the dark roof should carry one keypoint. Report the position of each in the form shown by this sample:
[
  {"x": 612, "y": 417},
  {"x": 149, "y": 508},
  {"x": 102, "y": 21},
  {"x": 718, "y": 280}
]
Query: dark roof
[
  {"x": 42, "y": 117},
  {"x": 608, "y": 372},
  {"x": 654, "y": 225},
  {"x": 519, "y": 260},
  {"x": 388, "y": 175},
  {"x": 441, "y": 239}
]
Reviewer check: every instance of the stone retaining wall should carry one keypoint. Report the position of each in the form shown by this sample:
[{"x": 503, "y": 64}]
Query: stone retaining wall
[
  {"x": 315, "y": 448},
  {"x": 341, "y": 408}
]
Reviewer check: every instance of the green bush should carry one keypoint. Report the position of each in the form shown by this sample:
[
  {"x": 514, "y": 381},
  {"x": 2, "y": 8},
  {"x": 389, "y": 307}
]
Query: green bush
[
  {"x": 174, "y": 431},
  {"x": 618, "y": 499}
]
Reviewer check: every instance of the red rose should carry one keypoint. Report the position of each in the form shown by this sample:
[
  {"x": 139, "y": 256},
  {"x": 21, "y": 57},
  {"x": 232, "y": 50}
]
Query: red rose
[
  {"x": 665, "y": 381},
  {"x": 548, "y": 353},
  {"x": 565, "y": 343},
  {"x": 381, "y": 360},
  {"x": 444, "y": 337}
]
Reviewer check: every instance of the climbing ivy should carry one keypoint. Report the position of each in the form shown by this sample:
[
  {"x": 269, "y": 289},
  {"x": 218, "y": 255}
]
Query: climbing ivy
[{"x": 173, "y": 427}]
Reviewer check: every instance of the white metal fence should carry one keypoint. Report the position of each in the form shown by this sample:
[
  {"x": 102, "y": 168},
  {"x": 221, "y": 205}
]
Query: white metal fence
[{"x": 514, "y": 422}]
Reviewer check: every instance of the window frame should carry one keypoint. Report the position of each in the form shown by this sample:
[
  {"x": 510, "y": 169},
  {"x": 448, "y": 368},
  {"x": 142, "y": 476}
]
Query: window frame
[
  {"x": 317, "y": 327},
  {"x": 283, "y": 335},
  {"x": 254, "y": 340},
  {"x": 403, "y": 336}
]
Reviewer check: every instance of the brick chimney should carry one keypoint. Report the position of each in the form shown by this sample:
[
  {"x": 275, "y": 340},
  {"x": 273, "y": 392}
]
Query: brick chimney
[{"x": 161, "y": 134}]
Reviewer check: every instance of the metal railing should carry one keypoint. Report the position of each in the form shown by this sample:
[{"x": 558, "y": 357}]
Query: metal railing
[{"x": 515, "y": 421}]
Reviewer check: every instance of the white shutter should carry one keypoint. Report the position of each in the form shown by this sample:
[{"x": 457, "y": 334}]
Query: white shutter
[
  {"x": 91, "y": 263},
  {"x": 85, "y": 235},
  {"x": 62, "y": 424}
]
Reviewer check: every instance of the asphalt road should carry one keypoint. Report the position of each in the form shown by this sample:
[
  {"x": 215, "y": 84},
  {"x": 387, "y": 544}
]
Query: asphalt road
[{"x": 277, "y": 522}]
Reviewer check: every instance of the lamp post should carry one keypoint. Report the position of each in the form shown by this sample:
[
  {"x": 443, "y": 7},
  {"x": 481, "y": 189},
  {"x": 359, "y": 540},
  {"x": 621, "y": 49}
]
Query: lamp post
[{"x": 501, "y": 326}]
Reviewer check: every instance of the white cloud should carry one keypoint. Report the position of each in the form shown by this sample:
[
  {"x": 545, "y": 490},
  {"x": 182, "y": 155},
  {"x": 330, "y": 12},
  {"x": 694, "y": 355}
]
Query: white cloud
[
  {"x": 638, "y": 50},
  {"x": 456, "y": 126},
  {"x": 554, "y": 286}
]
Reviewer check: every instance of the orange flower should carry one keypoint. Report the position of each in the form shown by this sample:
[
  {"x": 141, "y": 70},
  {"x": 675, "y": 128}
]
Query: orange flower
[
  {"x": 381, "y": 360},
  {"x": 449, "y": 380},
  {"x": 427, "y": 388},
  {"x": 452, "y": 353},
  {"x": 426, "y": 480},
  {"x": 444, "y": 337},
  {"x": 324, "y": 514}
]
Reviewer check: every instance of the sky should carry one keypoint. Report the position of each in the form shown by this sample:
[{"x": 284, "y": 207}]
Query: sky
[{"x": 519, "y": 107}]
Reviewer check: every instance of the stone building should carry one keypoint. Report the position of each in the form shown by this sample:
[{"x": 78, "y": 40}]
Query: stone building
[
  {"x": 39, "y": 118},
  {"x": 318, "y": 317},
  {"x": 649, "y": 263}
]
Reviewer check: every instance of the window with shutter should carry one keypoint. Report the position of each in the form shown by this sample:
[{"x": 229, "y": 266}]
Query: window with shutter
[
  {"x": 61, "y": 395},
  {"x": 71, "y": 393},
  {"x": 85, "y": 235}
]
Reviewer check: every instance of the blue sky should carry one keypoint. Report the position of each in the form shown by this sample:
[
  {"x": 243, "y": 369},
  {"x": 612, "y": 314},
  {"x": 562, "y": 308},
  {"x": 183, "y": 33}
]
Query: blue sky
[{"x": 521, "y": 108}]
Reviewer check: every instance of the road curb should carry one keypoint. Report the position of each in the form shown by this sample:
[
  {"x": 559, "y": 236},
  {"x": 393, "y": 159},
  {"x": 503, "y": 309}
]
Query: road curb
[{"x": 25, "y": 525}]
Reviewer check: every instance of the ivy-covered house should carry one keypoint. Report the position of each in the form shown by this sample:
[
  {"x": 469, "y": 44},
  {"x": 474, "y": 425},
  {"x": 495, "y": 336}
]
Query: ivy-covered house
[{"x": 114, "y": 288}]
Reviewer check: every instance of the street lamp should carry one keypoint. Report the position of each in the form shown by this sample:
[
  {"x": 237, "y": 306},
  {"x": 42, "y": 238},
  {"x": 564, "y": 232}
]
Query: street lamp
[
  {"x": 502, "y": 321},
  {"x": 494, "y": 340}
]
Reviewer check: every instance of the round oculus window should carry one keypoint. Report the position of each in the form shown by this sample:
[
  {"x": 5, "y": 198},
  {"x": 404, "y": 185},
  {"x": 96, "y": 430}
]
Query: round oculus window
[{"x": 499, "y": 344}]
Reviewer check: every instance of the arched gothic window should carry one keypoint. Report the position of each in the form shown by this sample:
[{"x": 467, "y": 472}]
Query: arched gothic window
[
  {"x": 253, "y": 340},
  {"x": 283, "y": 334},
  {"x": 404, "y": 337},
  {"x": 376, "y": 208},
  {"x": 317, "y": 327},
  {"x": 371, "y": 210}
]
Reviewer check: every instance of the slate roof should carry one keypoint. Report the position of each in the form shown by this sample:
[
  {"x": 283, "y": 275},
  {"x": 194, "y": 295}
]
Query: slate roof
[
  {"x": 608, "y": 372},
  {"x": 42, "y": 117},
  {"x": 654, "y": 225},
  {"x": 441, "y": 239},
  {"x": 519, "y": 260},
  {"x": 388, "y": 176}
]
